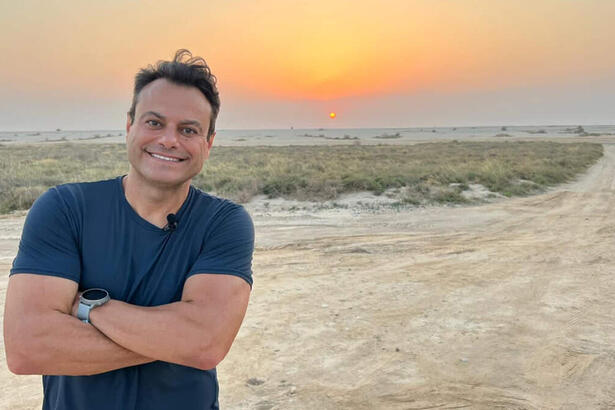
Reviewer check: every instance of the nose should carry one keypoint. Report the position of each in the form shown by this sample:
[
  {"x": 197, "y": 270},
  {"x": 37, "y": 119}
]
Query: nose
[{"x": 168, "y": 138}]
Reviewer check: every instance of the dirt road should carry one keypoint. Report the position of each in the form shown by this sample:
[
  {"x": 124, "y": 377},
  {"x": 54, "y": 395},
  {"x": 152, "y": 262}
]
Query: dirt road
[{"x": 506, "y": 305}]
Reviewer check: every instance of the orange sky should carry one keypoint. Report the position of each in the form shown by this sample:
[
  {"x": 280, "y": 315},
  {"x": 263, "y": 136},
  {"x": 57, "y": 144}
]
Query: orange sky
[{"x": 308, "y": 56}]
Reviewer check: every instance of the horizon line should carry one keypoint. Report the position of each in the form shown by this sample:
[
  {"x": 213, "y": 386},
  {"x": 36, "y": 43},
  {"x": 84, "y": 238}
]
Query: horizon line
[{"x": 334, "y": 128}]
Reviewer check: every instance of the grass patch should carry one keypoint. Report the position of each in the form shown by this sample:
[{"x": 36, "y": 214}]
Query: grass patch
[{"x": 422, "y": 173}]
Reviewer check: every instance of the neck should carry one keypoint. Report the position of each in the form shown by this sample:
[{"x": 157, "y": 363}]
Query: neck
[{"x": 153, "y": 203}]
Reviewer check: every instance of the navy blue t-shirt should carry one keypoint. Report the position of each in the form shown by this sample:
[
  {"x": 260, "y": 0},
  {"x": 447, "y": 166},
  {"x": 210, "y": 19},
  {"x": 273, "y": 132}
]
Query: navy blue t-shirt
[{"x": 89, "y": 233}]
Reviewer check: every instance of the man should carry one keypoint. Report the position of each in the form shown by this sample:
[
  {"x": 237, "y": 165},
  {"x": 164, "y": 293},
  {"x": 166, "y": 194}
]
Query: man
[{"x": 171, "y": 265}]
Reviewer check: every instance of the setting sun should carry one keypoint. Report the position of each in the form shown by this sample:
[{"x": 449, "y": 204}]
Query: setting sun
[{"x": 332, "y": 115}]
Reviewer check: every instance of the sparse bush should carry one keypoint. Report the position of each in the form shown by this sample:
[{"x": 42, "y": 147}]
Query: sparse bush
[{"x": 450, "y": 196}]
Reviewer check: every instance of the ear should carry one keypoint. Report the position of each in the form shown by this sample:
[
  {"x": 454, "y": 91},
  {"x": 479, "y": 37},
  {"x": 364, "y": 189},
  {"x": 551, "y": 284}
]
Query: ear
[
  {"x": 128, "y": 123},
  {"x": 210, "y": 140}
]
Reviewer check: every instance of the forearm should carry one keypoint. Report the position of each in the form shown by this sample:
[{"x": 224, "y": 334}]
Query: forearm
[
  {"x": 59, "y": 344},
  {"x": 166, "y": 332}
]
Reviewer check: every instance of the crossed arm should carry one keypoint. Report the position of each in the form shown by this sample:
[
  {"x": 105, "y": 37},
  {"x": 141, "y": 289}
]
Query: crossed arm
[{"x": 42, "y": 336}]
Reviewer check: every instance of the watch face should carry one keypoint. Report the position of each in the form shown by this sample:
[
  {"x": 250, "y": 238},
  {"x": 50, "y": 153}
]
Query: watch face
[{"x": 94, "y": 294}]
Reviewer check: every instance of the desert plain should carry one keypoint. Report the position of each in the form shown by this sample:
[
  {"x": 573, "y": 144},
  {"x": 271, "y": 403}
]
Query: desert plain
[{"x": 507, "y": 304}]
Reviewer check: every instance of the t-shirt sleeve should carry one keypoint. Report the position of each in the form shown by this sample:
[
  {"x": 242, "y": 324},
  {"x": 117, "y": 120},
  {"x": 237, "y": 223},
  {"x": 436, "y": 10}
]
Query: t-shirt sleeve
[
  {"x": 229, "y": 246},
  {"x": 49, "y": 244}
]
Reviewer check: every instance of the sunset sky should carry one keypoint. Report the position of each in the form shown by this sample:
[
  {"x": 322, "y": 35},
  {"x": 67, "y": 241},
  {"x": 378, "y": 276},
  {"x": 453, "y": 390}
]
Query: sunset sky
[{"x": 391, "y": 63}]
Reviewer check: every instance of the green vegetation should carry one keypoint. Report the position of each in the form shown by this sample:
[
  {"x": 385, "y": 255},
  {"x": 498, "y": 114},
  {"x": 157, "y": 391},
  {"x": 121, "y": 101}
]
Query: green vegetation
[{"x": 422, "y": 173}]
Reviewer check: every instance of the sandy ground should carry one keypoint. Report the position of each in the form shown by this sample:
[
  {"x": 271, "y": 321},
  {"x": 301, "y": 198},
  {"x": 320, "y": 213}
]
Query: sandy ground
[{"x": 355, "y": 306}]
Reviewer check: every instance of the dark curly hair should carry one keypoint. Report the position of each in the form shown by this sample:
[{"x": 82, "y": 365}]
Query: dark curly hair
[{"x": 183, "y": 70}]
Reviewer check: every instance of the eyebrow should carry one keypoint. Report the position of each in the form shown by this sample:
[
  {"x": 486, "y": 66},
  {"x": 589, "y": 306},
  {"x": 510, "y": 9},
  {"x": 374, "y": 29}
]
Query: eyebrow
[
  {"x": 185, "y": 122},
  {"x": 154, "y": 113}
]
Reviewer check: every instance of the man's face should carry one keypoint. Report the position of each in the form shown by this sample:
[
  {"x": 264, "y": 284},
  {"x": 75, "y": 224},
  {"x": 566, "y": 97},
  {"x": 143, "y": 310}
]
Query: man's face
[{"x": 167, "y": 142}]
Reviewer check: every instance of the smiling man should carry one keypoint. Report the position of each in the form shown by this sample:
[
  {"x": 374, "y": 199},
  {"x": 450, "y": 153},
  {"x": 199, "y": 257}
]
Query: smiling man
[{"x": 126, "y": 293}]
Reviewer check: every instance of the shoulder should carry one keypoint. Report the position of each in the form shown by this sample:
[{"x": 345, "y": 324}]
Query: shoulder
[
  {"x": 221, "y": 213},
  {"x": 77, "y": 195},
  {"x": 216, "y": 207},
  {"x": 72, "y": 198},
  {"x": 83, "y": 190}
]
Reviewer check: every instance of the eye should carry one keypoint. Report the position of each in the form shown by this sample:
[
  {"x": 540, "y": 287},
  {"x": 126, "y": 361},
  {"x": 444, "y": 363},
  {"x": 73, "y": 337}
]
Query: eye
[
  {"x": 153, "y": 123},
  {"x": 189, "y": 131}
]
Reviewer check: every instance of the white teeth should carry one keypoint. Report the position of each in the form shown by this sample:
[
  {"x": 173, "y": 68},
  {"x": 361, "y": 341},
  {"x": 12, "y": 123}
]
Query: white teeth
[{"x": 165, "y": 158}]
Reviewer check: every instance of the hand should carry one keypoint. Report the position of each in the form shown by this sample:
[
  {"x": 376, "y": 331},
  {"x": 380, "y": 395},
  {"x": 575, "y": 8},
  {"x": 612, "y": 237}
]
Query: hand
[{"x": 76, "y": 304}]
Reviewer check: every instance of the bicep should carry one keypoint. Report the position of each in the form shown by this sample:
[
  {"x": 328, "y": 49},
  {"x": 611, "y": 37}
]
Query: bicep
[
  {"x": 32, "y": 303},
  {"x": 29, "y": 296},
  {"x": 222, "y": 301},
  {"x": 217, "y": 292}
]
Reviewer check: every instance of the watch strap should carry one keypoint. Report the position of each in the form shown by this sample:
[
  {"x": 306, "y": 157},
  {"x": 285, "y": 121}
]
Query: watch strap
[{"x": 83, "y": 312}]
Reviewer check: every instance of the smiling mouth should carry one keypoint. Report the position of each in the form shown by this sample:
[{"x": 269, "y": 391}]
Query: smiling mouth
[{"x": 165, "y": 158}]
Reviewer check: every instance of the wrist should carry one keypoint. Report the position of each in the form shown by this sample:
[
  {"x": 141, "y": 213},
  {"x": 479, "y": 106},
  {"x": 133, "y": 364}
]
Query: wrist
[
  {"x": 97, "y": 314},
  {"x": 90, "y": 300}
]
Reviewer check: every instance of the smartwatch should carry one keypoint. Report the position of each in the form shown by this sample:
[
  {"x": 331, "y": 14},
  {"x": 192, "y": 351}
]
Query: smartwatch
[{"x": 90, "y": 299}]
